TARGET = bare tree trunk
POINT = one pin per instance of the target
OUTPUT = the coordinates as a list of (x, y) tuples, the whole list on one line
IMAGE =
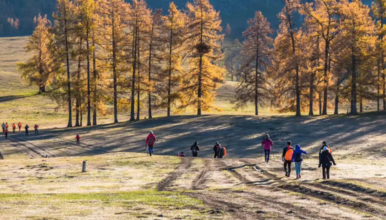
[(139, 80), (68, 71), (378, 86), (88, 76), (132, 115), (114, 69), (311, 112), (95, 82), (336, 112), (150, 59), (78, 96), (326, 58), (320, 103), (170, 66), (354, 85), (200, 73)]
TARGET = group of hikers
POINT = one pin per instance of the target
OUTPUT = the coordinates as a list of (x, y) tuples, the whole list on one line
[(289, 155), (5, 126)]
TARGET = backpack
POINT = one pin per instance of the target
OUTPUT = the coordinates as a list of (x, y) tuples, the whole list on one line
[(289, 154), (225, 151), (298, 157)]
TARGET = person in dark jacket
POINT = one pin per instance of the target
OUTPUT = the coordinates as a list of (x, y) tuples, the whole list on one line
[(216, 149), (26, 130), (325, 160), (287, 161), (195, 148), (221, 152), (298, 159)]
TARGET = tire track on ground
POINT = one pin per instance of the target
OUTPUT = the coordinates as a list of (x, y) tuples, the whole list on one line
[(33, 148), (220, 200), (31, 153), (182, 168), (322, 194), (201, 178)]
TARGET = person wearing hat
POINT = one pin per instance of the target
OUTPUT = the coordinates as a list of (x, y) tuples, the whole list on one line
[(217, 150), (325, 160), (150, 141), (267, 144), (195, 148)]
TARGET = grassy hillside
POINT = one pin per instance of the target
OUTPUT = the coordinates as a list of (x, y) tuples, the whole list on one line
[(122, 182)]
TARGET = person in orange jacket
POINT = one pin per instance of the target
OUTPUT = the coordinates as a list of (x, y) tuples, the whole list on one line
[(20, 126), (77, 139), (6, 125), (14, 127)]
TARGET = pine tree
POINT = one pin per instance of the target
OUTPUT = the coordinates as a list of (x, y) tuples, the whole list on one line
[(254, 59), (39, 68), (204, 46)]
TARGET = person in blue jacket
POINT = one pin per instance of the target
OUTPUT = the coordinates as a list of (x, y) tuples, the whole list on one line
[(298, 159)]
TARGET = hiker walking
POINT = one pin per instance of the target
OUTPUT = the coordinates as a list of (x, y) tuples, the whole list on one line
[(222, 152), (77, 139), (288, 152), (36, 129), (325, 160), (216, 149), (298, 159), (6, 125), (14, 127), (19, 126), (6, 133), (3, 127), (267, 144), (195, 148), (323, 146), (26, 130), (150, 141)]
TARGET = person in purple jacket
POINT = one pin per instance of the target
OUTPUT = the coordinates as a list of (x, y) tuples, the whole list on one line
[(267, 144)]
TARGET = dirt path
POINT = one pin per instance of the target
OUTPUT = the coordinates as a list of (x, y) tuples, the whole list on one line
[(181, 169)]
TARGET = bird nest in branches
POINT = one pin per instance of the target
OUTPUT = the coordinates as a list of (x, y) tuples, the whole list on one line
[(203, 48)]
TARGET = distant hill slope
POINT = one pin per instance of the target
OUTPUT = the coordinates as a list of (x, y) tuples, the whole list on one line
[(234, 12)]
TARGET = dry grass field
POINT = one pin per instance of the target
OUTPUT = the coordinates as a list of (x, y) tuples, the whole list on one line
[(41, 178)]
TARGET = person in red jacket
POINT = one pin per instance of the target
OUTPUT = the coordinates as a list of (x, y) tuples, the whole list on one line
[(6, 133), (14, 127), (150, 141), (77, 139), (20, 126), (36, 129), (267, 144)]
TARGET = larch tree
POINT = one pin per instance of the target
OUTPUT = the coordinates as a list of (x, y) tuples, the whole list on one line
[(325, 15), (174, 26), (39, 68), (139, 22), (62, 48), (357, 29), (379, 12), (286, 51), (154, 50), (113, 42), (87, 13), (254, 60), (204, 51)]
